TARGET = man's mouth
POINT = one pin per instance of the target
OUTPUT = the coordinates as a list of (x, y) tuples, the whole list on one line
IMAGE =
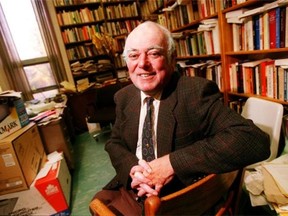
[(147, 74)]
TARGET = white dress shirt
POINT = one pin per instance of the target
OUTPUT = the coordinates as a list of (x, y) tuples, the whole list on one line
[(143, 111)]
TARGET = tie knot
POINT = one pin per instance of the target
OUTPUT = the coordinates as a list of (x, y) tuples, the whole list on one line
[(149, 101)]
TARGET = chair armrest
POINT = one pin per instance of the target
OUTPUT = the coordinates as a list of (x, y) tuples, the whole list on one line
[(99, 208), (152, 204)]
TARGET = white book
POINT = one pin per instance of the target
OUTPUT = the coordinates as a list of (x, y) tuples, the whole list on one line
[(254, 63), (281, 62), (236, 28), (249, 33), (235, 20), (235, 13), (216, 39)]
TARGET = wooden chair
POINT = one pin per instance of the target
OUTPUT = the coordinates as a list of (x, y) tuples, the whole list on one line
[(195, 199)]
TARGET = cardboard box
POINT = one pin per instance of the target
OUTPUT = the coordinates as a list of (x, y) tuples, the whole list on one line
[(21, 156), (49, 194), (13, 115)]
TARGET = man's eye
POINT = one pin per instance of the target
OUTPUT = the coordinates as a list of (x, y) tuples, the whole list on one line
[(154, 54), (133, 56)]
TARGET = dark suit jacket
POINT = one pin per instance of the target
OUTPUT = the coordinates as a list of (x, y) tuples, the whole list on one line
[(194, 127)]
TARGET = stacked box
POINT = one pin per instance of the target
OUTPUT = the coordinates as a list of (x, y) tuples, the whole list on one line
[(13, 115), (21, 157)]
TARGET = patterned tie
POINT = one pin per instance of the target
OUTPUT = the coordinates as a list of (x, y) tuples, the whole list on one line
[(147, 141)]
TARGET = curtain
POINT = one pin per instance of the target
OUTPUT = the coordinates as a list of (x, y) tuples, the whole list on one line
[(10, 61), (9, 58), (46, 28)]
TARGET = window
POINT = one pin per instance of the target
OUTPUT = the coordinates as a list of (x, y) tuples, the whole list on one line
[(27, 38)]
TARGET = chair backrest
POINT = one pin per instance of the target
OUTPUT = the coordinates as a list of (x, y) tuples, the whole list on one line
[(267, 115), (105, 95), (195, 199)]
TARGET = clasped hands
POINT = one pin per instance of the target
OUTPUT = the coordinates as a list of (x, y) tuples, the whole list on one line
[(149, 177)]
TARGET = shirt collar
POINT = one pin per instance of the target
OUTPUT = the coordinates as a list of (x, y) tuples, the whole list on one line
[(144, 96)]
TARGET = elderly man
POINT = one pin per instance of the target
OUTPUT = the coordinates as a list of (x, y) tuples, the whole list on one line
[(192, 132)]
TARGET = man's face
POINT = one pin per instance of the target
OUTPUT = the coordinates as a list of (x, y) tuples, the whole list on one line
[(147, 62)]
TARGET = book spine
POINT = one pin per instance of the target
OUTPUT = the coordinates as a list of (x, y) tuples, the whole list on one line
[(272, 28), (256, 32), (277, 31)]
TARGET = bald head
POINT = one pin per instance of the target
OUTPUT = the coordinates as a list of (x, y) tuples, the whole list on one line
[(151, 30)]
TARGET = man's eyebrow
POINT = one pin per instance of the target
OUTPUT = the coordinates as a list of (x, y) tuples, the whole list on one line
[(148, 49), (155, 47)]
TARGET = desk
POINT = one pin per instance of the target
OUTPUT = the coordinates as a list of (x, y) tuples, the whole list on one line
[(79, 104)]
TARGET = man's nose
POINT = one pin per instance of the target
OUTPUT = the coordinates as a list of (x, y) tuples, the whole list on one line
[(143, 60)]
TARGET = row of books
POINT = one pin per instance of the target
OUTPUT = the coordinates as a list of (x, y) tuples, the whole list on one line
[(72, 2), (267, 30), (211, 70), (203, 41), (81, 33), (121, 27), (231, 3), (121, 11), (78, 68), (182, 15), (119, 61), (83, 51), (266, 77), (150, 6), (83, 15), (237, 105), (207, 8)]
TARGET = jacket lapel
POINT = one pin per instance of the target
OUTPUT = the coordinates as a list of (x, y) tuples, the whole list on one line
[(166, 120), (166, 125), (131, 123)]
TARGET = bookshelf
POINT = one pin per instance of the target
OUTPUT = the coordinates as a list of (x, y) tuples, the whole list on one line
[(195, 26), (255, 63), (213, 42), (79, 22)]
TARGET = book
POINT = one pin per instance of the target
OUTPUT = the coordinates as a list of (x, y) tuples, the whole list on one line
[(263, 75), (249, 33), (272, 28), (277, 23), (256, 31), (235, 13), (282, 26), (286, 28), (236, 31), (266, 34), (281, 80)]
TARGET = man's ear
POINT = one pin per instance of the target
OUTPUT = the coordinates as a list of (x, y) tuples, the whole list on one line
[(173, 60)]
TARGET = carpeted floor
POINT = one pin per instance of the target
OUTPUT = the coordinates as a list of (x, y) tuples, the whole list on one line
[(92, 171)]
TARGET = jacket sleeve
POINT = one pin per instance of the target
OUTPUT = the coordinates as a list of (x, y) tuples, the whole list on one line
[(219, 139), (120, 150)]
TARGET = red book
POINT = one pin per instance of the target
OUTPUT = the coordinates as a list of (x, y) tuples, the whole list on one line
[(263, 75), (272, 28)]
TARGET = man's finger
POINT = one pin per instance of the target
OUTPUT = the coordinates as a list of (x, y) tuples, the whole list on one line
[(145, 165)]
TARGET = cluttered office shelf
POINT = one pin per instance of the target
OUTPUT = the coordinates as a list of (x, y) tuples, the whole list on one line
[(27, 143), (53, 118), (46, 111)]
